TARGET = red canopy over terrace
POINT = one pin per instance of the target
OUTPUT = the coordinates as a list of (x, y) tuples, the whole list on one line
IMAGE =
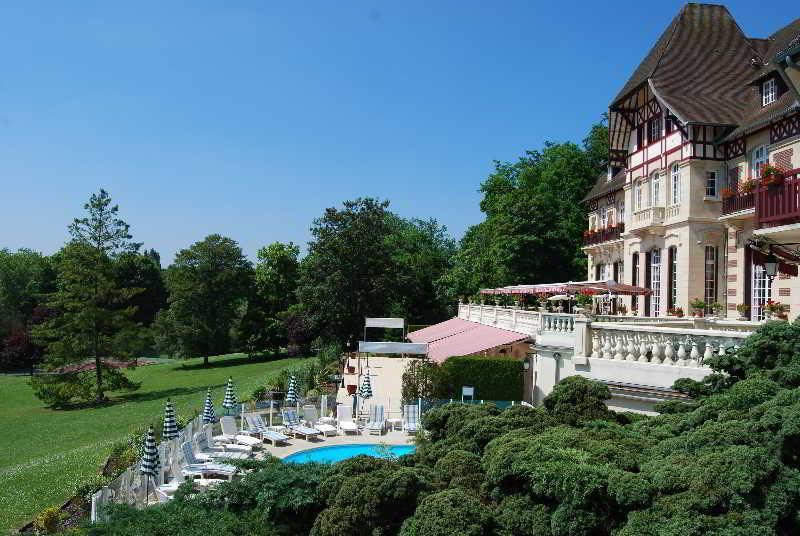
[(572, 287)]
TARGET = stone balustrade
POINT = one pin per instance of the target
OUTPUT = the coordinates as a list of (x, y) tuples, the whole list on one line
[(515, 319), (676, 346)]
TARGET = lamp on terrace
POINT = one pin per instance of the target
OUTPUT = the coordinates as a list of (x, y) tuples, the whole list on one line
[(771, 265)]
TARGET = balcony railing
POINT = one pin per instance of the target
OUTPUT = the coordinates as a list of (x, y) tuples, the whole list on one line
[(647, 217), (780, 204), (603, 235), (739, 202)]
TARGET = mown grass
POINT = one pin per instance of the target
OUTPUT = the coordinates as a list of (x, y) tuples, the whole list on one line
[(44, 452)]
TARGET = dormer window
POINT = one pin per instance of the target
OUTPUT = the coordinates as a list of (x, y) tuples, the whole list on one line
[(769, 92)]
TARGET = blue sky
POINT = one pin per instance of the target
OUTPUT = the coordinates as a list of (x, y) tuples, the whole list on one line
[(248, 119)]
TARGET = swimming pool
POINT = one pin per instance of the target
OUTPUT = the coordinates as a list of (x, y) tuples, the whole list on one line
[(337, 453)]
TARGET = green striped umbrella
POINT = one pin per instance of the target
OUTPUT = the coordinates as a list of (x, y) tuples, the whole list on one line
[(150, 462), (229, 402), (208, 409), (365, 391), (170, 430), (291, 391)]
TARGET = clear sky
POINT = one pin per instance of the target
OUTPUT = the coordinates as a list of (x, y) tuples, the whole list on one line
[(248, 119)]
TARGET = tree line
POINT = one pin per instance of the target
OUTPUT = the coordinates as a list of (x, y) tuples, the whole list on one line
[(102, 300)]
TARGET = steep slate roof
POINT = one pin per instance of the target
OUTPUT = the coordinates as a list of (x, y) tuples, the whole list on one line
[(604, 186), (755, 115), (699, 67)]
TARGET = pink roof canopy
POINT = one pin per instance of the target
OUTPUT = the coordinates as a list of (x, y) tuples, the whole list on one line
[(456, 337), (572, 287)]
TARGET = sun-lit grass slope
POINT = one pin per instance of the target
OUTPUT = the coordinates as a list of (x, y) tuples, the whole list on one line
[(43, 452)]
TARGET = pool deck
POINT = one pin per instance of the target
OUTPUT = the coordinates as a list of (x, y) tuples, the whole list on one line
[(394, 437)]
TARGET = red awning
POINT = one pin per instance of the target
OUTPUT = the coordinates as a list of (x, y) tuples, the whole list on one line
[(573, 287), (456, 337)]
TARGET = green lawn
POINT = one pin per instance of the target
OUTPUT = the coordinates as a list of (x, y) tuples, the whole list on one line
[(44, 452)]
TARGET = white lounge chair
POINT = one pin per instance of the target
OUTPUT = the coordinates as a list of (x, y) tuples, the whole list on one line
[(376, 422), (344, 419), (256, 426), (231, 439), (194, 466), (292, 423), (411, 418), (205, 448), (312, 419)]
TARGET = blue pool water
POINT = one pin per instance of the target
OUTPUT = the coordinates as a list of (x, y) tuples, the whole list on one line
[(337, 453)]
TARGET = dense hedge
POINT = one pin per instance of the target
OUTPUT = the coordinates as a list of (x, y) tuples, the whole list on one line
[(494, 378)]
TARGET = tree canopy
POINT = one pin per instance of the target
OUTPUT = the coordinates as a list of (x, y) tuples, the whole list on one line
[(534, 219)]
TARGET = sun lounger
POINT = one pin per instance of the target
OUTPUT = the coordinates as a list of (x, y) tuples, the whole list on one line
[(256, 426), (312, 419), (231, 439), (344, 419), (292, 423), (411, 418), (205, 448), (376, 422), (193, 465)]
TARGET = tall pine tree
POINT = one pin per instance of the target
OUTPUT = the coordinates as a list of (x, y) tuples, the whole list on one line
[(94, 320)]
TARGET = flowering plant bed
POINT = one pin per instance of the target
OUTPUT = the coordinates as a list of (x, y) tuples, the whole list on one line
[(727, 193), (676, 311), (747, 186)]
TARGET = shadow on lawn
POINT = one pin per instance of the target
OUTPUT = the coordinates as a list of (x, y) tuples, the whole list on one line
[(168, 393), (231, 362)]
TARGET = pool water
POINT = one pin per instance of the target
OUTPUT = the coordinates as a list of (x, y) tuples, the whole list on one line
[(337, 453)]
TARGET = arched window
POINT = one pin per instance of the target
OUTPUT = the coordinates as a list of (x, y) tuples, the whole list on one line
[(655, 189), (675, 184), (757, 160)]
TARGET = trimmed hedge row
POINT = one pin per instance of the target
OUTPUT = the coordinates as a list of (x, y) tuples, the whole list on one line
[(494, 378)]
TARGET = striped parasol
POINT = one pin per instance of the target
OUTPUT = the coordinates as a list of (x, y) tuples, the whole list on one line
[(365, 391), (208, 409), (291, 391), (170, 430), (229, 402), (150, 462)]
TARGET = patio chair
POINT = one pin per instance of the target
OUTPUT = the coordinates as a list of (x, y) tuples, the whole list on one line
[(292, 423), (411, 419), (205, 448), (257, 426), (230, 438), (376, 422), (312, 419), (193, 466), (344, 419)]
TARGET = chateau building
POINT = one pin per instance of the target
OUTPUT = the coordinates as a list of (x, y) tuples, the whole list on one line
[(687, 207)]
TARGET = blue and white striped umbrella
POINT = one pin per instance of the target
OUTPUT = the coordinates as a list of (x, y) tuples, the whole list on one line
[(150, 462), (229, 402), (365, 391), (208, 409), (291, 391), (170, 430)]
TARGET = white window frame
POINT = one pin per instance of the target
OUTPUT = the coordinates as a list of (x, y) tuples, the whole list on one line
[(621, 211), (675, 184), (710, 277), (758, 158), (610, 216), (638, 193), (761, 286), (656, 122), (655, 281), (769, 92), (655, 189), (712, 183), (593, 222)]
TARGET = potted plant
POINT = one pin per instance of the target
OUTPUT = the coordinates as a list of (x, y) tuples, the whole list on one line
[(622, 310), (775, 309), (717, 308), (634, 310), (676, 311), (698, 307), (743, 309), (351, 389), (727, 193), (747, 185), (771, 175)]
